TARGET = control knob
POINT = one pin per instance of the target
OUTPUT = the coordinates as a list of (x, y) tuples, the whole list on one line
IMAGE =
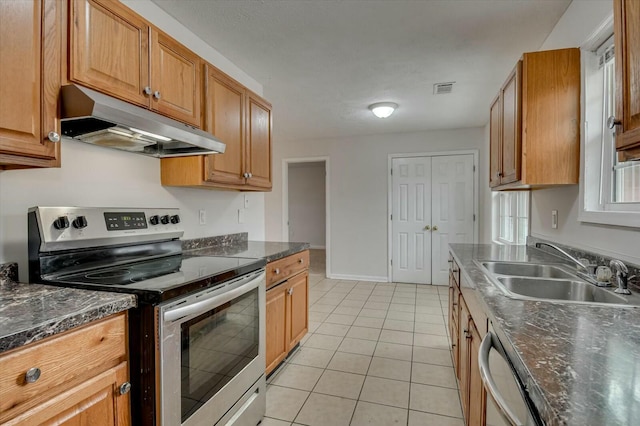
[(80, 222), (154, 219), (61, 222), (175, 219), (164, 219)]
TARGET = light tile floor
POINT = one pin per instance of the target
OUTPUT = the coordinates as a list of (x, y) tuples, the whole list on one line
[(375, 354)]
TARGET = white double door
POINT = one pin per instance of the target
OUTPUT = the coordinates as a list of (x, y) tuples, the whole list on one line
[(432, 206)]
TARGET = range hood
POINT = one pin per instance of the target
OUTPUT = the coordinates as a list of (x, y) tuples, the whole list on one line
[(98, 119)]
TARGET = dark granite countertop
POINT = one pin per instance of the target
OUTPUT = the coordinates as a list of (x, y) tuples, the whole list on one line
[(580, 363), (31, 312), (268, 250)]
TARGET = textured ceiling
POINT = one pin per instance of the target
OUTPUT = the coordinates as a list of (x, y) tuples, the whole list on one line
[(322, 62)]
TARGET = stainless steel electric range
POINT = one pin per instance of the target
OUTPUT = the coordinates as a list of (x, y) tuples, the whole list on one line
[(197, 337)]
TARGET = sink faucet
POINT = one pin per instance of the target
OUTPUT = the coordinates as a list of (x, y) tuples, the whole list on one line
[(590, 269), (567, 255), (622, 274)]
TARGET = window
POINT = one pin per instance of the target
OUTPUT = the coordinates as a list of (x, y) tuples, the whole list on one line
[(513, 217), (610, 188)]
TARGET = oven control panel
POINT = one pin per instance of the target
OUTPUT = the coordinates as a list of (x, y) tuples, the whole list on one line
[(63, 228)]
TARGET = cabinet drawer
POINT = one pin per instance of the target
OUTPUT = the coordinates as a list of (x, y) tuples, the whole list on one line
[(62, 360), (284, 268)]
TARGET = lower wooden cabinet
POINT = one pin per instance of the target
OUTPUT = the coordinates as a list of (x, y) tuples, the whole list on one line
[(467, 332), (287, 309), (75, 378)]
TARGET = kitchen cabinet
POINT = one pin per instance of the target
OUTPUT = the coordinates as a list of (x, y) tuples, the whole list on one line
[(627, 42), (30, 77), (535, 123), (287, 312), (240, 119), (80, 376), (115, 51), (467, 325)]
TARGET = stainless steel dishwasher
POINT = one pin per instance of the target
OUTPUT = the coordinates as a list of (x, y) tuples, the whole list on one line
[(509, 403)]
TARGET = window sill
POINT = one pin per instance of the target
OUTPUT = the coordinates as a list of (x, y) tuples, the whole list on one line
[(627, 219)]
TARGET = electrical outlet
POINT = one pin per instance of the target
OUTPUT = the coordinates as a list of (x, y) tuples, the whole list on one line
[(240, 215), (246, 201), (554, 219), (203, 217)]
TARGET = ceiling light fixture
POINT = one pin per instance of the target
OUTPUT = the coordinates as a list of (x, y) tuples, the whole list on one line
[(383, 109)]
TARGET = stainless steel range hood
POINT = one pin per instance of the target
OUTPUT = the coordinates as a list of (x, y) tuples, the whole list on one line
[(102, 120)]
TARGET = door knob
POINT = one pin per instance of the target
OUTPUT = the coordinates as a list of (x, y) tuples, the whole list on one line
[(613, 122), (426, 228), (435, 228)]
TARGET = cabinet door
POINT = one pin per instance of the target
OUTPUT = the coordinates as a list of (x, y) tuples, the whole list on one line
[(29, 82), (511, 126), (224, 118), (276, 330), (464, 361), (477, 394), (94, 402), (495, 132), (109, 49), (175, 79), (627, 34), (258, 156), (298, 311)]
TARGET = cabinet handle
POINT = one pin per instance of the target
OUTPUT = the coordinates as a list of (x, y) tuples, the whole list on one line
[(156, 94), (453, 305), (32, 375), (450, 261), (125, 388), (276, 271), (499, 174), (53, 137), (301, 261), (146, 90), (290, 291), (613, 122)]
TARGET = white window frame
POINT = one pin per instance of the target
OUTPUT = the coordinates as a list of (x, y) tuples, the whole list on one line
[(596, 175), (519, 205)]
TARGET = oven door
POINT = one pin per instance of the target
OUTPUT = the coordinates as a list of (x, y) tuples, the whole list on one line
[(212, 353)]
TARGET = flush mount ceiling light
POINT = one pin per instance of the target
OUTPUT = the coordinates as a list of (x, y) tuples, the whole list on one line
[(383, 109)]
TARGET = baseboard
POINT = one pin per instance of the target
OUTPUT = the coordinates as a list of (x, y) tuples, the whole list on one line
[(347, 277)]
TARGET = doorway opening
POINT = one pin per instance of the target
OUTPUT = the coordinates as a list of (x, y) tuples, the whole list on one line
[(305, 208), (433, 201)]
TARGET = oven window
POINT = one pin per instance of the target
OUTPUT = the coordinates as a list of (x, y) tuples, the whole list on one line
[(216, 346)]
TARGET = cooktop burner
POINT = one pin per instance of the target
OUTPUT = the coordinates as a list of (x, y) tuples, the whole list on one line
[(161, 279)]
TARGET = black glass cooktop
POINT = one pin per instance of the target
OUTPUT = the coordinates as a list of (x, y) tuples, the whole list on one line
[(157, 280)]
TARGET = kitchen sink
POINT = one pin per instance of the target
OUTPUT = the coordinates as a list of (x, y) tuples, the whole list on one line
[(527, 270), (570, 290)]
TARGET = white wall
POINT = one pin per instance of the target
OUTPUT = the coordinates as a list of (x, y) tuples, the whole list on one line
[(307, 203), (580, 20), (95, 176), (358, 191)]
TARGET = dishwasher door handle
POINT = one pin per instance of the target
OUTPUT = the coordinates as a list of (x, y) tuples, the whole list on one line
[(487, 380)]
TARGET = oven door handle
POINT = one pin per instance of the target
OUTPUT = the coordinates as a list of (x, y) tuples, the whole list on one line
[(487, 380), (205, 305)]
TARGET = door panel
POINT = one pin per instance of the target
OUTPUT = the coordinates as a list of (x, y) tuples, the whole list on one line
[(411, 214), (299, 304), (495, 143), (452, 203), (276, 332), (511, 126), (258, 157)]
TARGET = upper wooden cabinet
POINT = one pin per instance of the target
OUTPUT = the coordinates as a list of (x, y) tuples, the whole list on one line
[(115, 51), (627, 42), (30, 76), (535, 123), (240, 119)]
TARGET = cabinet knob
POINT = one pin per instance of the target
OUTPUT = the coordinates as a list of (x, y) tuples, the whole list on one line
[(246, 175), (276, 271), (156, 94), (613, 122), (53, 137), (250, 175), (290, 291), (146, 90), (499, 174), (301, 261), (125, 388), (32, 375)]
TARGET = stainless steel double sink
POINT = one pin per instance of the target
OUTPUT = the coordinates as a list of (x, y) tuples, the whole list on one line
[(556, 282)]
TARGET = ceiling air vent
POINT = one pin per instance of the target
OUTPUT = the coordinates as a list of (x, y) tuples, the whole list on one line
[(443, 88)]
